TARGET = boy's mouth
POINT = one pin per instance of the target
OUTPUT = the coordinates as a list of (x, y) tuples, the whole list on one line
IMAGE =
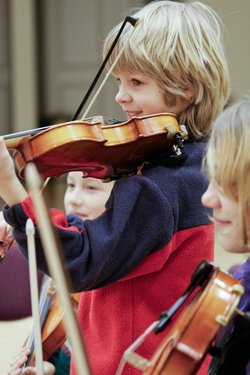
[(133, 114)]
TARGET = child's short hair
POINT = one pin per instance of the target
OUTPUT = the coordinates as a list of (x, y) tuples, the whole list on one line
[(228, 158), (180, 46)]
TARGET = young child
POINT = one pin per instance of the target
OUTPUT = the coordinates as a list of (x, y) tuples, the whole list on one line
[(135, 260), (228, 195), (85, 198)]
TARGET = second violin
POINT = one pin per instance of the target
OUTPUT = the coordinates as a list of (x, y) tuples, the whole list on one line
[(189, 339), (52, 321)]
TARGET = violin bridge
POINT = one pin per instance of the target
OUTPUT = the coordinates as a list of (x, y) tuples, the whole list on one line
[(223, 320), (136, 360), (184, 132), (133, 358), (98, 118)]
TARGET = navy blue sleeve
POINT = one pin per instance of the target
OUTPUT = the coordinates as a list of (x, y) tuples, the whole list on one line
[(133, 226), (143, 213)]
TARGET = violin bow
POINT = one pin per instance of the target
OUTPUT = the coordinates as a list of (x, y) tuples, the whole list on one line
[(30, 231), (106, 76), (46, 294), (133, 22), (54, 260)]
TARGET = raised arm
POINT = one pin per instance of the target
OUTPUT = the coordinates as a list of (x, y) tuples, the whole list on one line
[(11, 189)]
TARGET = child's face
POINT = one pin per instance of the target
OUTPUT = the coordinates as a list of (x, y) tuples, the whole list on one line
[(86, 197), (140, 95), (226, 217)]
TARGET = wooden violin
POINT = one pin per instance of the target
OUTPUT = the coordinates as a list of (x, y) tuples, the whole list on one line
[(52, 322), (189, 338), (97, 149)]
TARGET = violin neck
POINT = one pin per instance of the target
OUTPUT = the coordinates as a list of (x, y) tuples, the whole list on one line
[(13, 140)]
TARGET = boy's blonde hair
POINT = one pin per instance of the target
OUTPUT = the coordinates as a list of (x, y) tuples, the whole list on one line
[(228, 159), (180, 46)]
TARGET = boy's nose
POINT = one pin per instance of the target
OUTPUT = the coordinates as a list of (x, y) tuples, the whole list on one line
[(76, 198), (210, 199), (122, 97)]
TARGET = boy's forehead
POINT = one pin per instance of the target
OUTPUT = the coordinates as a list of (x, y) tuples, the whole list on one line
[(126, 71)]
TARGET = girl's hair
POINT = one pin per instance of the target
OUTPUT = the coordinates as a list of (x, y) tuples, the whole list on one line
[(228, 158), (180, 46)]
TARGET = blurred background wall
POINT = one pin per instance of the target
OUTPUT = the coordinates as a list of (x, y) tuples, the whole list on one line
[(50, 51)]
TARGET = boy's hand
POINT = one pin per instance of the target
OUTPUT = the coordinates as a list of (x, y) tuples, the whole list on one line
[(21, 359), (11, 189), (6, 237), (18, 361)]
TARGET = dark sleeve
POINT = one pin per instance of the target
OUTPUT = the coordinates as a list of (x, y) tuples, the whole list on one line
[(234, 350), (234, 343), (138, 220)]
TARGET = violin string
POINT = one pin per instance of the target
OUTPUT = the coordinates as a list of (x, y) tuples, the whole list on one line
[(31, 132), (46, 294), (45, 183)]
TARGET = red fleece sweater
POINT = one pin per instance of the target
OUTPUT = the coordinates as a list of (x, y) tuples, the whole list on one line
[(135, 260), (113, 317)]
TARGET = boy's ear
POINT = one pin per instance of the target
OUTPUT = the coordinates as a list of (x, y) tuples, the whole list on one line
[(189, 95)]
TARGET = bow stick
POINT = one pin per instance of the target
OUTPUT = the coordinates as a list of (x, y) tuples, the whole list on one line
[(55, 264), (134, 22), (30, 231)]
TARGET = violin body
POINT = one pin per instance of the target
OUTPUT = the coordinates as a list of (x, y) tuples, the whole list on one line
[(96, 149), (53, 333), (187, 342)]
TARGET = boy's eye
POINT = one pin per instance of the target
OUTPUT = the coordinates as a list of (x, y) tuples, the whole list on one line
[(91, 187), (136, 82)]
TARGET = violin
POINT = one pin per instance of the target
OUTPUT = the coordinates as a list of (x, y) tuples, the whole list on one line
[(52, 322), (85, 146), (53, 332), (98, 150), (189, 339)]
